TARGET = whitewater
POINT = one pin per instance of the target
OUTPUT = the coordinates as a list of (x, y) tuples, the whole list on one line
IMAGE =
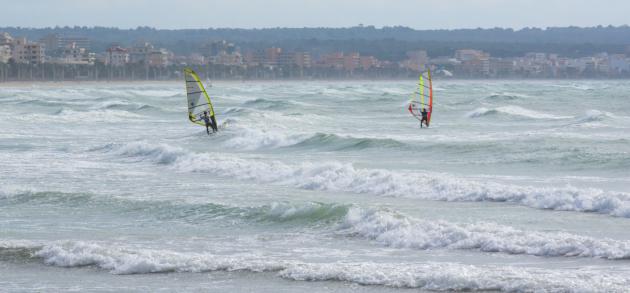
[(320, 186)]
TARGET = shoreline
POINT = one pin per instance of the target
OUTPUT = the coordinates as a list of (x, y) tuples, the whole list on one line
[(233, 81)]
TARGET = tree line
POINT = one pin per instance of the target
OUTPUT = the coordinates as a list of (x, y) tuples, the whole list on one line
[(387, 43)]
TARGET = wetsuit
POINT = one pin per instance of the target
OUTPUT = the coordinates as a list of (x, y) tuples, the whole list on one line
[(208, 123), (425, 118)]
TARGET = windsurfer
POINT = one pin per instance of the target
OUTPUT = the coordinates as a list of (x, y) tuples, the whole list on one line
[(425, 117), (209, 122)]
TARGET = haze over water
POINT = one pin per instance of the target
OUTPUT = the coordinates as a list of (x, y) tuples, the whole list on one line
[(517, 186)]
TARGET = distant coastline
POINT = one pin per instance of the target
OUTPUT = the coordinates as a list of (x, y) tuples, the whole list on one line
[(51, 83), (363, 52)]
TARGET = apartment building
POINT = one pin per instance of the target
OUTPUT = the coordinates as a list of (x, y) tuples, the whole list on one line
[(26, 52), (116, 56), (5, 53)]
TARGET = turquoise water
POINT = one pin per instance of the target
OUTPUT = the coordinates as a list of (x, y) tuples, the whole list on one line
[(517, 186)]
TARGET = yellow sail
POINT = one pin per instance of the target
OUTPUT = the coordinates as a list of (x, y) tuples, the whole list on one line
[(422, 98), (198, 99)]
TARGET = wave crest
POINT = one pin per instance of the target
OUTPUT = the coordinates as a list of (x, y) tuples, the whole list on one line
[(119, 259), (512, 111), (335, 176), (395, 230)]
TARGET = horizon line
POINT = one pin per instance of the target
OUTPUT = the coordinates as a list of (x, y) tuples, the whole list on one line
[(319, 27)]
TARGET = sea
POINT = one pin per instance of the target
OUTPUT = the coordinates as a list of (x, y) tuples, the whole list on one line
[(316, 186)]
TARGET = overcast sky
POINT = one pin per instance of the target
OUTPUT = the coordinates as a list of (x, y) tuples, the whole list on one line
[(419, 14)]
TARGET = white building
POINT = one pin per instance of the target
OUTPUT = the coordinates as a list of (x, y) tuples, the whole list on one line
[(140, 52), (5, 53), (116, 56), (160, 58), (6, 39), (73, 54)]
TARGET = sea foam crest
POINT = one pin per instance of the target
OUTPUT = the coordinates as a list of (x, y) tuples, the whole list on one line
[(383, 226), (119, 259), (395, 230), (515, 111), (336, 176), (253, 139)]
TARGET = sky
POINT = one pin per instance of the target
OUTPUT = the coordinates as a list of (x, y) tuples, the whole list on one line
[(418, 14)]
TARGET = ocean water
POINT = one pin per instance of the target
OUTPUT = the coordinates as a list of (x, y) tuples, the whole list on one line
[(319, 186)]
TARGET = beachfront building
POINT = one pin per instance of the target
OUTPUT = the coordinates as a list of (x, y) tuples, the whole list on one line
[(351, 61), (116, 56), (23, 51), (272, 56), (302, 59), (333, 60), (5, 39), (159, 58), (5, 53), (140, 52), (73, 54), (474, 63), (368, 62)]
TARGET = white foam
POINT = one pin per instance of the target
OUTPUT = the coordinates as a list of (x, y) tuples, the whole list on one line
[(514, 111), (479, 112), (395, 230), (335, 176), (256, 138), (458, 277), (430, 275)]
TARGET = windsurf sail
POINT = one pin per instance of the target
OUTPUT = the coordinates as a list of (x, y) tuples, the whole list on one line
[(422, 98), (198, 99)]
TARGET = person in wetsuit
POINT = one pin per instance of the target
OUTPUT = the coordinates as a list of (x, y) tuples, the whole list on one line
[(425, 117), (210, 122)]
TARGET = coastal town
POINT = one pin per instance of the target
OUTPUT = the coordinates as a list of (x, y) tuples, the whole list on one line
[(59, 58)]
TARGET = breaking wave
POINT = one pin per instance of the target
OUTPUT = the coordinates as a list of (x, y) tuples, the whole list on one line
[(396, 230), (383, 226), (335, 176), (256, 139), (513, 111), (119, 259)]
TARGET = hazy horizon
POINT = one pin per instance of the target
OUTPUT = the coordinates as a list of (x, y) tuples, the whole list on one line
[(420, 15), (310, 27)]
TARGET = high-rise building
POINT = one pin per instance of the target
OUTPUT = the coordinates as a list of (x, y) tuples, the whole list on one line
[(272, 55), (302, 59), (351, 61), (26, 52)]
